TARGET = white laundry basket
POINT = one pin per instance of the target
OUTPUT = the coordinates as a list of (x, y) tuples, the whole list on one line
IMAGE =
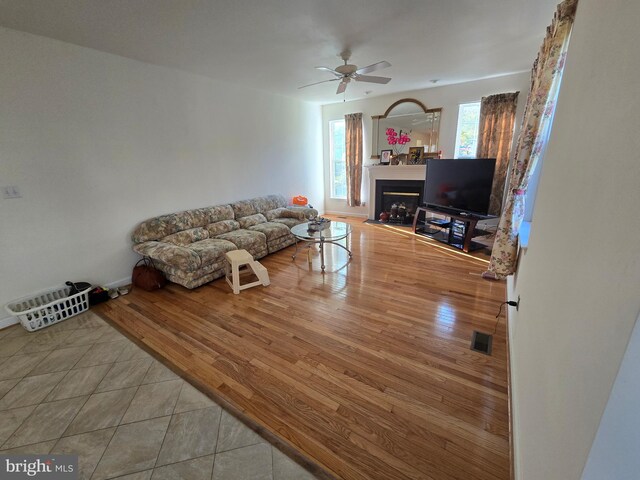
[(48, 307)]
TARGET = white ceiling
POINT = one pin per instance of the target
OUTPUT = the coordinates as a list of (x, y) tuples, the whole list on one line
[(273, 45)]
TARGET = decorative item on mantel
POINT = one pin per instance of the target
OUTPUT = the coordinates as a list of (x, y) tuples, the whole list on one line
[(416, 154), (397, 141), (385, 157)]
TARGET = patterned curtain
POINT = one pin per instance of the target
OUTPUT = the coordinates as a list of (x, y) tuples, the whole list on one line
[(546, 77), (497, 118), (353, 141)]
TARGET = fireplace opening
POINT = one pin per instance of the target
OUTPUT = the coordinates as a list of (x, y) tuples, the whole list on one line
[(399, 199)]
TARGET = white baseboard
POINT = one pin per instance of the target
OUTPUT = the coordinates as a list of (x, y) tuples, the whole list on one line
[(8, 321), (348, 214), (118, 283)]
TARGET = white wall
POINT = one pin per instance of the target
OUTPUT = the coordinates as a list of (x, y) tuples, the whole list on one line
[(97, 143), (580, 276), (449, 97), (614, 453)]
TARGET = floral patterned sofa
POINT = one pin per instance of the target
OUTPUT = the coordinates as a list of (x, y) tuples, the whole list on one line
[(189, 246)]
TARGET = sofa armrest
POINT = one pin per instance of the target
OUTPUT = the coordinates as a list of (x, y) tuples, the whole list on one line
[(308, 212), (182, 258)]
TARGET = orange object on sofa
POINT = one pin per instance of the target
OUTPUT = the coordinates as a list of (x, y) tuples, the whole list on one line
[(300, 200)]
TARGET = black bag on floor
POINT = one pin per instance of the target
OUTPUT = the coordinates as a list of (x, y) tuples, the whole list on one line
[(98, 295)]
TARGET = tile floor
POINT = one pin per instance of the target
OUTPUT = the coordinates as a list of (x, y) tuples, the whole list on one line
[(80, 387)]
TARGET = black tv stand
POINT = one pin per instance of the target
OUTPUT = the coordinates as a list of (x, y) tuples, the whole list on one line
[(456, 230)]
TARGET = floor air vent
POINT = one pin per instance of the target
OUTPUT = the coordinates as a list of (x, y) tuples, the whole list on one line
[(481, 342)]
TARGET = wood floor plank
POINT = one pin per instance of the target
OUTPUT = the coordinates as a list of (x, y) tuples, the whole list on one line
[(365, 371)]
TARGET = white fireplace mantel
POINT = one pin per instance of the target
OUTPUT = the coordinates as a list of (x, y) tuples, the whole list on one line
[(391, 172)]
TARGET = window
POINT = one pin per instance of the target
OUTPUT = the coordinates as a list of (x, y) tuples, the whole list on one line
[(337, 159), (467, 134)]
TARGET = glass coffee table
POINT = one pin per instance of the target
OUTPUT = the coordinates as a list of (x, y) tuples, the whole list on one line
[(332, 234)]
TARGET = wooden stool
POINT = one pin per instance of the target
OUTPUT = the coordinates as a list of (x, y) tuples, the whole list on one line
[(237, 259)]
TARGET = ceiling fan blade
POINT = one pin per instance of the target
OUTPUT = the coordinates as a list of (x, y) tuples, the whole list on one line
[(330, 70), (373, 67), (341, 88), (316, 83), (372, 79)]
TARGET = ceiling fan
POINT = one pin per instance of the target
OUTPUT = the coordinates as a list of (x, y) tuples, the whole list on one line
[(345, 73)]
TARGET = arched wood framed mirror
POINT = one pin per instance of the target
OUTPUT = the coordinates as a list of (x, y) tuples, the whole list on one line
[(412, 117)]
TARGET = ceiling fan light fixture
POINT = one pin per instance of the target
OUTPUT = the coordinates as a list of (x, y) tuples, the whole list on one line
[(347, 72), (346, 69)]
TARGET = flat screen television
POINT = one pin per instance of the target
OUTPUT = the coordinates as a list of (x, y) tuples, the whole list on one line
[(460, 186)]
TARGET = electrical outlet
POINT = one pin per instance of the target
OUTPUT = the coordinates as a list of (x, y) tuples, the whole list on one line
[(11, 192)]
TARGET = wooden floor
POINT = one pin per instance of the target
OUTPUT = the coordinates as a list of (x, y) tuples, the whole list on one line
[(365, 371)]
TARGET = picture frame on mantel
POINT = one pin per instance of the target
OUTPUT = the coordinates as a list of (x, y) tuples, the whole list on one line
[(415, 155), (385, 157)]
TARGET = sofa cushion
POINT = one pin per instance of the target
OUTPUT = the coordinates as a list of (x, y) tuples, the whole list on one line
[(218, 213), (159, 227), (224, 226), (243, 208), (195, 279), (272, 230), (248, 240), (169, 270), (269, 202), (177, 256), (187, 237), (212, 250), (287, 213), (280, 243), (162, 226), (275, 213), (289, 222), (251, 220), (307, 212)]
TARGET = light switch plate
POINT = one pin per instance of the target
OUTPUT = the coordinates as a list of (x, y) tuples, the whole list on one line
[(11, 192)]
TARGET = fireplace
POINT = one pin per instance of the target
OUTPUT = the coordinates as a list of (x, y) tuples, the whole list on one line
[(406, 195)]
